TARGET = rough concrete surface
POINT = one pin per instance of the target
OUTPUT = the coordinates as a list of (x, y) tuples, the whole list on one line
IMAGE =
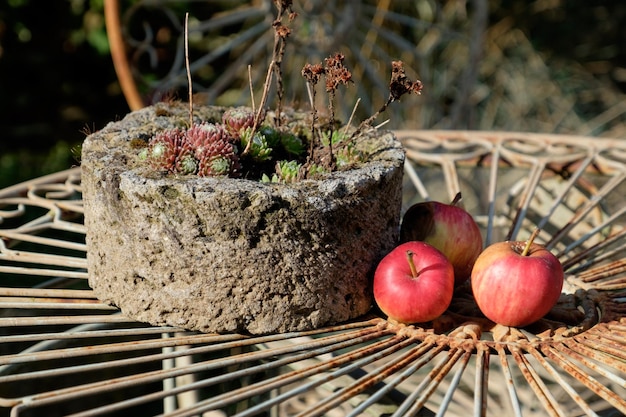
[(233, 255)]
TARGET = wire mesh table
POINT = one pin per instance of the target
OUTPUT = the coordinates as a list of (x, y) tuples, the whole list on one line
[(65, 353)]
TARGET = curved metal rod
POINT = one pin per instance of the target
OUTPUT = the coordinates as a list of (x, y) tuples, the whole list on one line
[(118, 54)]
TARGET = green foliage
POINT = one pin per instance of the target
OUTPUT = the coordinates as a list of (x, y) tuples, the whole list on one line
[(289, 142), (260, 149), (17, 3), (292, 144), (287, 172), (344, 151), (338, 136), (98, 40), (271, 135), (315, 170), (220, 165)]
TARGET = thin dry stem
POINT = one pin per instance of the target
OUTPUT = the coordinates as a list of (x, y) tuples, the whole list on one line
[(331, 108), (336, 73), (251, 88), (381, 124), (190, 85), (311, 89), (347, 126), (369, 120), (281, 33), (312, 74)]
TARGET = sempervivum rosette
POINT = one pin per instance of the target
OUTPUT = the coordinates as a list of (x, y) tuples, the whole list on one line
[(237, 120), (163, 149), (216, 154), (186, 160), (200, 136)]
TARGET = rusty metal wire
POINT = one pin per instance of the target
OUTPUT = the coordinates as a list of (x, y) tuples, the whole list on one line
[(65, 353)]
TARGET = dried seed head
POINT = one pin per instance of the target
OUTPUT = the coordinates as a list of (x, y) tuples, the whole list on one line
[(312, 73), (400, 84), (281, 30), (336, 72)]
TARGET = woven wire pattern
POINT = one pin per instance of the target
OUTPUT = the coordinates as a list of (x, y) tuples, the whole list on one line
[(65, 353)]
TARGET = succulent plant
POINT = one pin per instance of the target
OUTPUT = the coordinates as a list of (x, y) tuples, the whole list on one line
[(163, 149), (200, 136), (288, 171), (254, 139), (186, 160), (218, 158), (315, 170), (292, 143), (345, 153), (259, 149), (237, 119), (272, 136), (348, 155), (205, 149)]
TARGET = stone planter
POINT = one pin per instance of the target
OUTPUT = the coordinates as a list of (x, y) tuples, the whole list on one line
[(234, 255)]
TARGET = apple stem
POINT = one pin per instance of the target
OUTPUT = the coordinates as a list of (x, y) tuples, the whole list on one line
[(530, 242), (456, 199), (409, 257)]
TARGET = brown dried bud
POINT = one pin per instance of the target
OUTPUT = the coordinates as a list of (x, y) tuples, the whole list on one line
[(400, 84), (281, 30), (336, 73), (312, 73)]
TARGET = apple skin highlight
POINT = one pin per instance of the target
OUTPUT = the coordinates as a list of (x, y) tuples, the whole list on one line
[(515, 290), (406, 298)]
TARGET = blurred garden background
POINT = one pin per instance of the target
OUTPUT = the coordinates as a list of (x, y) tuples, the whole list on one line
[(552, 66)]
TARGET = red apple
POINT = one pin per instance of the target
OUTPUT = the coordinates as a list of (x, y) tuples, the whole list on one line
[(414, 283), (448, 228), (516, 283)]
